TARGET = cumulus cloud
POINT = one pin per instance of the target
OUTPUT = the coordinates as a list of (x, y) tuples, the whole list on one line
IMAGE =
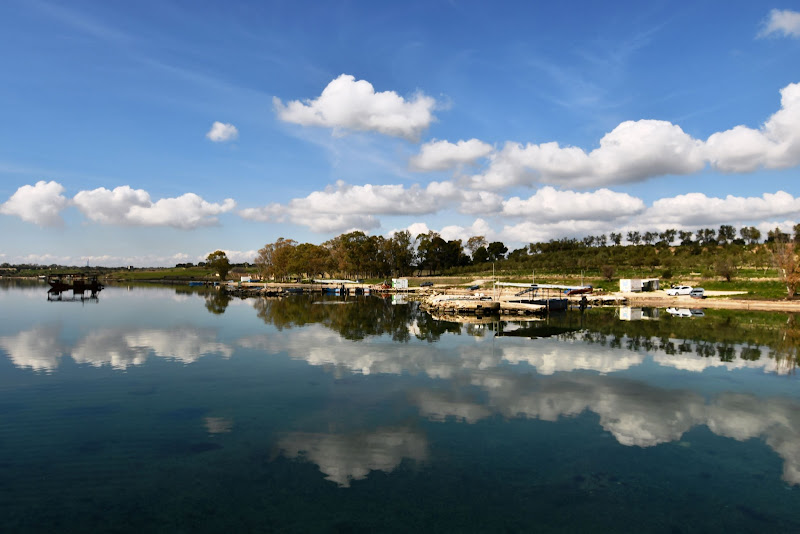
[(40, 204), (479, 227), (631, 152), (126, 206), (443, 155), (638, 150), (345, 206), (776, 145), (698, 209), (783, 22), (221, 132), (350, 104), (480, 203), (551, 205)]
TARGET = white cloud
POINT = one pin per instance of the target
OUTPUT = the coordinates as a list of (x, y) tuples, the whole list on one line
[(631, 152), (443, 155), (550, 205), (532, 232), (481, 203), (39, 204), (126, 206), (418, 228), (222, 132), (354, 105), (776, 145), (698, 209), (638, 150), (479, 227), (345, 206), (783, 22)]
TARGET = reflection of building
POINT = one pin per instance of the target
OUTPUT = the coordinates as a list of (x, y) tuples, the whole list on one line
[(627, 313)]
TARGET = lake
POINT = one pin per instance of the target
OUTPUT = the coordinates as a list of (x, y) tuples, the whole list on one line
[(172, 409)]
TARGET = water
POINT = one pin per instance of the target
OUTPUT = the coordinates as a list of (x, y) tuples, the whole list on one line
[(176, 410)]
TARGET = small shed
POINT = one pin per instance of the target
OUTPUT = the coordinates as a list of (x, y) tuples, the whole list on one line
[(638, 284), (399, 283), (627, 285)]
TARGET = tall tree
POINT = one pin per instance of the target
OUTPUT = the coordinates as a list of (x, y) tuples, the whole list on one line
[(273, 260), (634, 237), (497, 250), (777, 236), (480, 255), (726, 234), (474, 243), (668, 236), (615, 238), (785, 258), (685, 236), (218, 261), (401, 254)]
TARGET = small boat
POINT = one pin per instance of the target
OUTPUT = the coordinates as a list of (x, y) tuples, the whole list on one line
[(75, 282)]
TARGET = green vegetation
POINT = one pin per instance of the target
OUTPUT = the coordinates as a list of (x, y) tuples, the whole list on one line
[(713, 258)]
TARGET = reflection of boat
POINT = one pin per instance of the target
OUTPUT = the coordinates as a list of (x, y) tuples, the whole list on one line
[(75, 282), (685, 312), (58, 296)]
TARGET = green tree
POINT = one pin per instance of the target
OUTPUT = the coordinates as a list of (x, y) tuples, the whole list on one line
[(785, 258), (273, 260), (725, 266), (480, 255), (218, 262), (400, 253), (615, 238), (474, 243), (726, 234), (685, 236), (497, 250), (667, 236), (634, 237)]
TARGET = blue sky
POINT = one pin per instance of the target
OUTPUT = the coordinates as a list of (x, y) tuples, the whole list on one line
[(151, 133)]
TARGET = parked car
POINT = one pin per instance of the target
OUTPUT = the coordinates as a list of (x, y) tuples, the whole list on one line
[(426, 284), (697, 293), (473, 288), (685, 312), (674, 291)]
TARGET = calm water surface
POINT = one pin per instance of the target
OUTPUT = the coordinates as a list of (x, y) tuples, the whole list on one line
[(163, 409)]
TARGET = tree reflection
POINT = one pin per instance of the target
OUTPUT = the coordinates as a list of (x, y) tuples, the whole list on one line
[(217, 301), (787, 350), (354, 318)]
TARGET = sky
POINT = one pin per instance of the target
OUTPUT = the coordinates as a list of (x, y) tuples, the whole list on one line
[(153, 133)]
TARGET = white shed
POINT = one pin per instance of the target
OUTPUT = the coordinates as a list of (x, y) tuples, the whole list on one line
[(400, 283), (630, 284)]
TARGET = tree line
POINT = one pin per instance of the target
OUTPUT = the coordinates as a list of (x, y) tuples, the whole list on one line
[(358, 255)]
